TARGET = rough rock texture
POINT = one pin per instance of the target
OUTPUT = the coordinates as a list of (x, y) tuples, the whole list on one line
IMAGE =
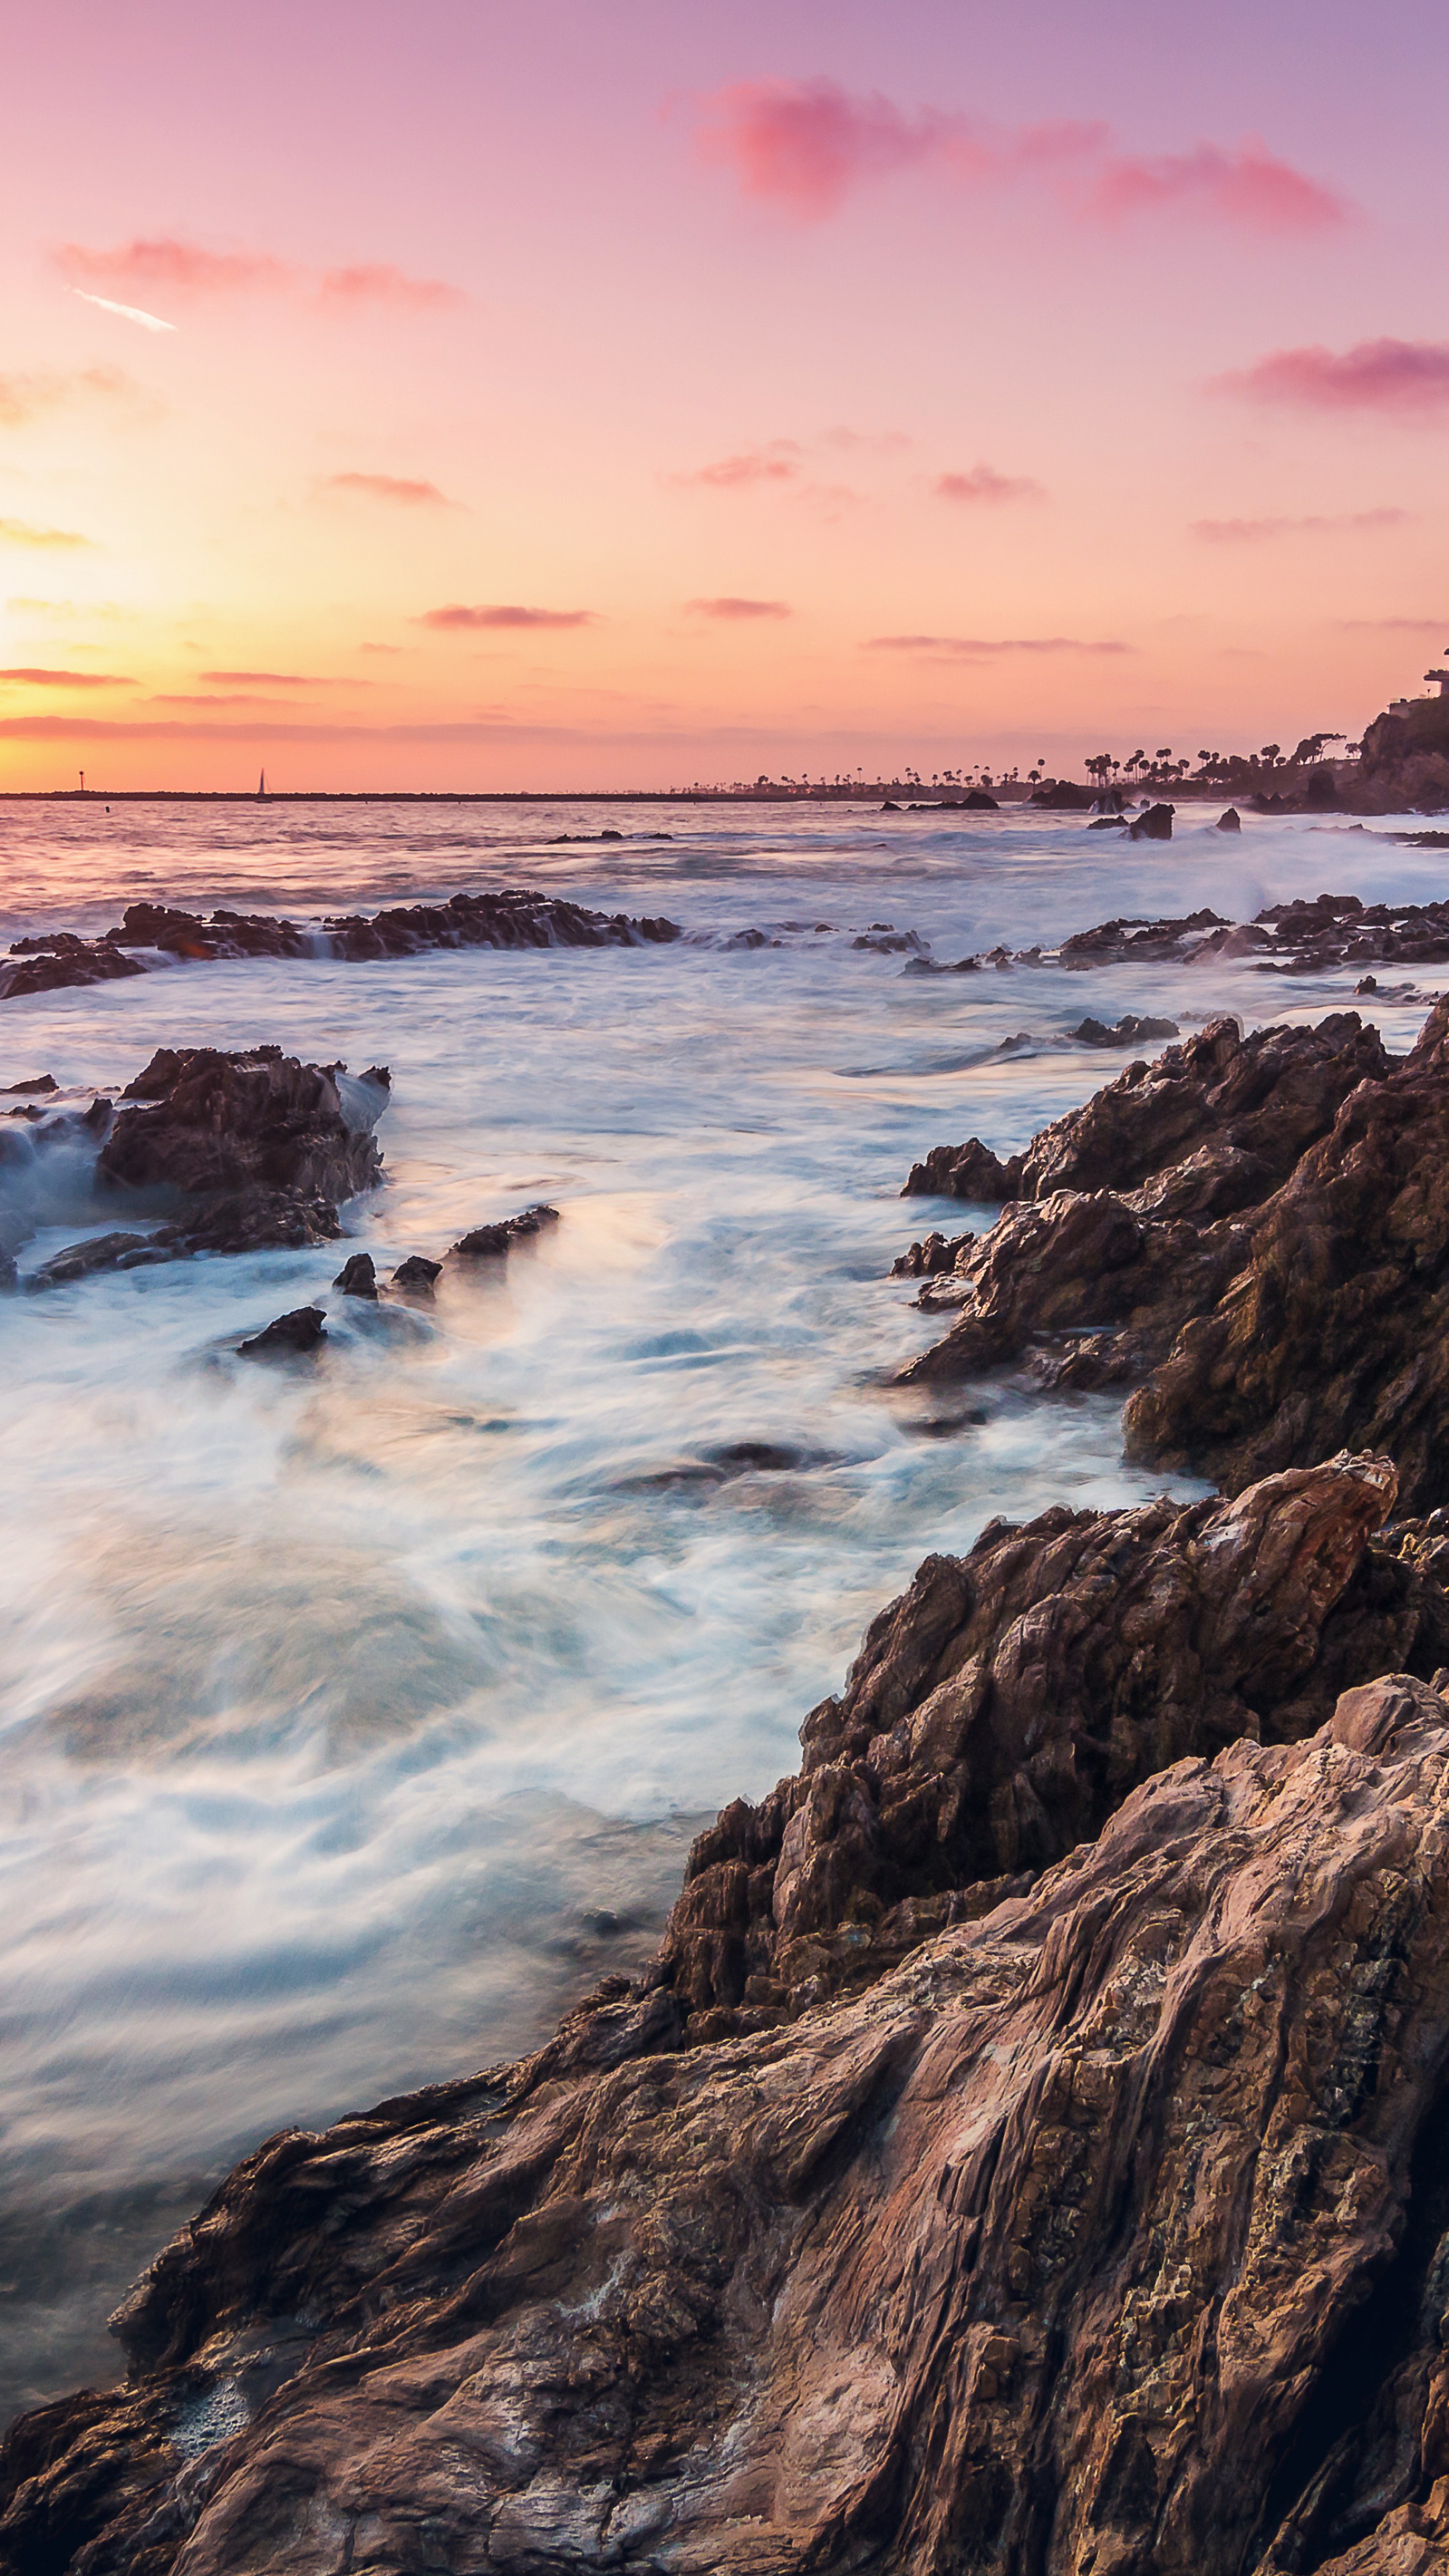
[(1000, 1710), (416, 1275), (358, 1276), (492, 1242), (1104, 2234), (1154, 823), (515, 917), (1255, 1230), (1298, 938)]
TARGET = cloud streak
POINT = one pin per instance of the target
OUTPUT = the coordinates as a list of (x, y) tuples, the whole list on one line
[(457, 619), (739, 612), (125, 312), (1248, 532), (1397, 379), (39, 679), (806, 147), (391, 487), (984, 485), (27, 398), (976, 648), (20, 532)]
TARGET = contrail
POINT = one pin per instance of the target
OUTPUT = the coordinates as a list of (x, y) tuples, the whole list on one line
[(128, 312)]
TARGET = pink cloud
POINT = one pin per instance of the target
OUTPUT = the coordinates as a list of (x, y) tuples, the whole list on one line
[(391, 487), (1240, 532), (377, 282), (182, 266), (778, 461), (1407, 378), (448, 619), (984, 484), (261, 679), (33, 679), (980, 648), (166, 264), (806, 146), (1248, 186), (739, 611), (1395, 626)]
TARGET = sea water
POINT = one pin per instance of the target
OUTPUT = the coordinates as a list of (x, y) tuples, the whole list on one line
[(356, 1717)]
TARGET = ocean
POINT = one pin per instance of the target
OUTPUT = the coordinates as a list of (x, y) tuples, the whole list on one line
[(357, 1718)]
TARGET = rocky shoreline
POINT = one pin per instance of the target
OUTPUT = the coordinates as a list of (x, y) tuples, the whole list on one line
[(1026, 2152)]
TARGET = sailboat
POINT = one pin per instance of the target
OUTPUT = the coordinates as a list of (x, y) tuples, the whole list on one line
[(262, 786)]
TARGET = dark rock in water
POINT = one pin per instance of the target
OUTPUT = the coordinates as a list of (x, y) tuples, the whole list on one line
[(978, 802), (416, 1274), (514, 917), (890, 807), (762, 1457), (970, 1171), (100, 1252), (1064, 797), (1153, 824), (1231, 821), (256, 1147), (287, 1336), (199, 1120), (50, 965), (1108, 823), (1139, 942), (928, 1259), (40, 1082), (1129, 1031), (490, 1242), (891, 943), (357, 1276), (1012, 2226)]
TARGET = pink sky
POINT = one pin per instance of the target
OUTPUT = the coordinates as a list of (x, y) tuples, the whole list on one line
[(469, 397)]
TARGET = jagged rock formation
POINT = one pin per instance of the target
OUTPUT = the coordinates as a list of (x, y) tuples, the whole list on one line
[(1255, 1231), (243, 1152), (1104, 2233), (1003, 1707), (516, 917), (1297, 938)]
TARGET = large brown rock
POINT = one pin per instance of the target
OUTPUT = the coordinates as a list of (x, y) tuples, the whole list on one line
[(1104, 2234), (1257, 1231), (200, 1121), (1003, 1707)]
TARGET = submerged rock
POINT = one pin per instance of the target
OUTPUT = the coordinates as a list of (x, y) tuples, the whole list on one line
[(492, 1242), (1231, 821), (1128, 1031), (416, 1274), (287, 1336), (40, 1082)]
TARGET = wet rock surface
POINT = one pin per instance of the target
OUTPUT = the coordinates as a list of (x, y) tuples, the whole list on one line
[(494, 1242), (1252, 1232), (1299, 938), (240, 1152), (289, 1336), (516, 917), (1102, 2232)]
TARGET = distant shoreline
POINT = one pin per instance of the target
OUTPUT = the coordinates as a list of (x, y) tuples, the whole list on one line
[(870, 797)]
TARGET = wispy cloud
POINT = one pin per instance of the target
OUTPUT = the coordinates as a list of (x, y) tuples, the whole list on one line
[(1395, 625), (732, 612), (806, 146), (19, 532), (38, 679), (169, 265), (1250, 532), (377, 282), (982, 648), (126, 312), (391, 487), (984, 484), (446, 620), (264, 679), (30, 397), (777, 461), (1404, 379), (213, 698)]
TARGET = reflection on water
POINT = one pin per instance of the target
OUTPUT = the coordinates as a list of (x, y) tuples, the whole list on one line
[(356, 1716)]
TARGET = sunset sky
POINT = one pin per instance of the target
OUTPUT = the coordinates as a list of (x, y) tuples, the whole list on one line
[(458, 396)]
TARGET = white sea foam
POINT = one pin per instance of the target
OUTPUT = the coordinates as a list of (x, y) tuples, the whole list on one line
[(351, 1719)]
